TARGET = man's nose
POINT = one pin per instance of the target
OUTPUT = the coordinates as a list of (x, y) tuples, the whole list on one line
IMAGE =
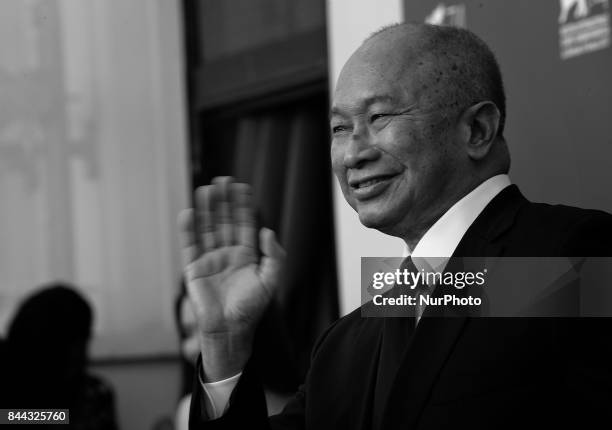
[(359, 151)]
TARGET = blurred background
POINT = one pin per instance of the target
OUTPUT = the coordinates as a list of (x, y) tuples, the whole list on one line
[(112, 112)]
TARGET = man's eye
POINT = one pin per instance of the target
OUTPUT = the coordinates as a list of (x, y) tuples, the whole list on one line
[(377, 116), (338, 129)]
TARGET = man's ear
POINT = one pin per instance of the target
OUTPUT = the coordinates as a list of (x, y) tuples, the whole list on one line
[(480, 123)]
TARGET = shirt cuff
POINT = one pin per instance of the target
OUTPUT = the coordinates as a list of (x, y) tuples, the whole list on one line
[(217, 395)]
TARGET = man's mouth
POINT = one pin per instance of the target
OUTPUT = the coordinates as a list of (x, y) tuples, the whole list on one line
[(368, 183), (367, 188)]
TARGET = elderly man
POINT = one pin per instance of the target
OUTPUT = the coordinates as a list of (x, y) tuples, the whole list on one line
[(418, 148)]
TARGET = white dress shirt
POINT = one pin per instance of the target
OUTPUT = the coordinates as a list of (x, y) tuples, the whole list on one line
[(439, 242)]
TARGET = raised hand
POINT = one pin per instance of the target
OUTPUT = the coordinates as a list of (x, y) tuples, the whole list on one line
[(229, 284)]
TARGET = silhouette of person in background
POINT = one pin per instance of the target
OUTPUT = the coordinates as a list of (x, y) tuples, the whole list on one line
[(46, 359)]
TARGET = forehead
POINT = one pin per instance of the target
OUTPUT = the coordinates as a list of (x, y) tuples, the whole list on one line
[(372, 80), (343, 105)]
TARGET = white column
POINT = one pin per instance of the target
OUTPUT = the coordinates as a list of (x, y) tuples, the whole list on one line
[(349, 22)]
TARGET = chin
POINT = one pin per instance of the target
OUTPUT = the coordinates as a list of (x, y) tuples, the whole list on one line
[(375, 220)]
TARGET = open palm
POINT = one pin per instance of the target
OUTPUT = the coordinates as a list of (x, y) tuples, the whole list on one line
[(229, 284)]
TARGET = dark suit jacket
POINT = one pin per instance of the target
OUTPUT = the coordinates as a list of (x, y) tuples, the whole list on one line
[(457, 373)]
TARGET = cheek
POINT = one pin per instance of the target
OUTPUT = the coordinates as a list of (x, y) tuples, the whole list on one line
[(398, 141), (337, 157), (337, 164), (410, 147)]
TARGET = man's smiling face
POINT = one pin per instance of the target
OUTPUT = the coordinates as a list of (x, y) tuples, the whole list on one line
[(392, 150)]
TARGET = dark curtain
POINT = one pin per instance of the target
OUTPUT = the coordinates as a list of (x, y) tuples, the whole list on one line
[(283, 152)]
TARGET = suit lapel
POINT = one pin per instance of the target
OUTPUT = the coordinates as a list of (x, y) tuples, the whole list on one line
[(396, 336), (433, 341), (482, 239), (424, 357)]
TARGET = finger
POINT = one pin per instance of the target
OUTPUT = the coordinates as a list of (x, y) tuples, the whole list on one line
[(224, 227), (244, 215), (206, 219), (269, 245), (187, 231), (271, 261)]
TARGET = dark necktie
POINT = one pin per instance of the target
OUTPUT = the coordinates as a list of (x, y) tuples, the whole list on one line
[(397, 332), (420, 290)]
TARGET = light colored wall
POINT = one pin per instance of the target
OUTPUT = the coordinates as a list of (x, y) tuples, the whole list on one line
[(349, 22), (93, 167), (93, 171)]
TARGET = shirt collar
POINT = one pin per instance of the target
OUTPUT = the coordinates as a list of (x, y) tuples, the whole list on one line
[(443, 237)]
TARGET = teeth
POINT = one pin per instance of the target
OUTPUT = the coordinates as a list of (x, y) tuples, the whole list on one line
[(368, 183)]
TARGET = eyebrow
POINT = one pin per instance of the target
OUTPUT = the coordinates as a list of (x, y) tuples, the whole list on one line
[(368, 101)]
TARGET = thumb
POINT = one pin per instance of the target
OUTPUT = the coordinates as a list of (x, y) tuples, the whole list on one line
[(269, 245), (272, 259)]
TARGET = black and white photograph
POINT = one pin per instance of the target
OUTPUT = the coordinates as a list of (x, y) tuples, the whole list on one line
[(306, 214)]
